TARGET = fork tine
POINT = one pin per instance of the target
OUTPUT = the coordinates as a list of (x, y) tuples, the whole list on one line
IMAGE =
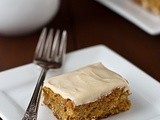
[(63, 44), (55, 45), (48, 46), (40, 45)]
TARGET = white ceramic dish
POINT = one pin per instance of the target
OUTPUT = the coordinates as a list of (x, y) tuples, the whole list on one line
[(24, 16), (16, 86), (144, 19)]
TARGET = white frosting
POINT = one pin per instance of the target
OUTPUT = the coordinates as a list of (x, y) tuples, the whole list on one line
[(86, 84)]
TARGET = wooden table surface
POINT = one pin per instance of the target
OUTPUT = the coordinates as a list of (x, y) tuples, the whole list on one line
[(89, 23)]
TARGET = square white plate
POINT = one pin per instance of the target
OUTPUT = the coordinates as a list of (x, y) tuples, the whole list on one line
[(133, 12), (16, 85)]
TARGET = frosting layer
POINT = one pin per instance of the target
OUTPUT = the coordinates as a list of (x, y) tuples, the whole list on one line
[(86, 84)]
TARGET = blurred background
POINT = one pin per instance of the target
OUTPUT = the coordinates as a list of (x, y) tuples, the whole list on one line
[(88, 23)]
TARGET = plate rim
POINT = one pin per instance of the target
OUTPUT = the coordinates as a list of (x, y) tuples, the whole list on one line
[(128, 15)]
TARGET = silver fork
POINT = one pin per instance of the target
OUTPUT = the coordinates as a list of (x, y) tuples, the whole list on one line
[(49, 54)]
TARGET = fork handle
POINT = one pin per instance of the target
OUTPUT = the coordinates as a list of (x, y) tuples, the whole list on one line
[(32, 110)]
